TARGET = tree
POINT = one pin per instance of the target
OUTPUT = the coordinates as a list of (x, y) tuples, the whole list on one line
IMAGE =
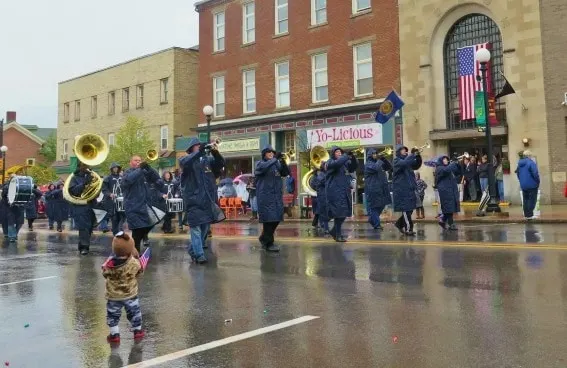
[(132, 139), (41, 174), (49, 149)]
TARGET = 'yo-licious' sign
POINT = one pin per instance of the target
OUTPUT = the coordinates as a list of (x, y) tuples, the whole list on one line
[(348, 136), (240, 145)]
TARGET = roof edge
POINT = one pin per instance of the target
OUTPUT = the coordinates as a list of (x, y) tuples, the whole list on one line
[(191, 49)]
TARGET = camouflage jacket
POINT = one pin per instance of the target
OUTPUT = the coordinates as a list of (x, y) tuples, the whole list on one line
[(121, 276)]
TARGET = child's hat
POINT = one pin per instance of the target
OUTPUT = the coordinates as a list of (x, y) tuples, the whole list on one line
[(122, 244)]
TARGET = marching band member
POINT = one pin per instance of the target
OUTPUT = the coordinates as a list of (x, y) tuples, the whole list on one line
[(110, 190), (57, 207), (376, 188), (404, 186), (338, 189), (322, 209), (213, 171), (180, 215), (313, 182), (197, 196), (447, 186), (12, 215), (31, 207), (84, 216), (269, 190), (170, 189), (137, 198)]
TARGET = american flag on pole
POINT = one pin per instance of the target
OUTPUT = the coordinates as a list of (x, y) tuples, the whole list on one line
[(145, 257), (469, 70)]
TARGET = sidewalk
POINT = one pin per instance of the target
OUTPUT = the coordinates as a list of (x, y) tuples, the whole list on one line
[(550, 214)]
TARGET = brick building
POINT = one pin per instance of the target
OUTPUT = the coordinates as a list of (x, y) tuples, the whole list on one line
[(159, 89), (296, 74), (528, 46), (23, 146)]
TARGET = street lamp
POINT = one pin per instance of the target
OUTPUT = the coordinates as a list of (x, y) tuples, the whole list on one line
[(3, 149), (208, 111), (483, 57)]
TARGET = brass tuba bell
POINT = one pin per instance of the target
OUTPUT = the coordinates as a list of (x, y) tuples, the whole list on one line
[(317, 157), (91, 150), (152, 155)]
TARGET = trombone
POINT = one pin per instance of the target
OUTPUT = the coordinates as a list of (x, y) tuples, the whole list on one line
[(152, 155)]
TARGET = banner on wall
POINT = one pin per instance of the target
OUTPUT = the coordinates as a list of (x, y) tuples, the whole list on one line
[(347, 136)]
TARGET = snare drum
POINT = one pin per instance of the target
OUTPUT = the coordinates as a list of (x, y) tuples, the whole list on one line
[(20, 190), (119, 204), (175, 205)]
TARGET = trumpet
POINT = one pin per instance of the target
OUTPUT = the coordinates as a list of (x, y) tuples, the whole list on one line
[(288, 156), (214, 144), (386, 152), (358, 151), (152, 155), (422, 148), (464, 155)]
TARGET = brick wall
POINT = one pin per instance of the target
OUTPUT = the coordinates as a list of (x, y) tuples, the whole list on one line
[(380, 26), (553, 14), (20, 148)]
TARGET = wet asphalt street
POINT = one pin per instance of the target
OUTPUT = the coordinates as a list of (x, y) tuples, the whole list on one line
[(485, 296)]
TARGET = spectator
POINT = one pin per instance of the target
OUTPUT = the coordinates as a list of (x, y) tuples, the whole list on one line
[(528, 175)]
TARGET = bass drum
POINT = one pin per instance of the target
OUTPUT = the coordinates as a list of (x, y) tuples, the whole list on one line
[(20, 190)]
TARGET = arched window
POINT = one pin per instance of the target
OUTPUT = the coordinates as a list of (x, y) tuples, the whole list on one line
[(471, 30)]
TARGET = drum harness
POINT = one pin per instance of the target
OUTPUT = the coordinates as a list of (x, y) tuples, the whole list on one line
[(117, 191)]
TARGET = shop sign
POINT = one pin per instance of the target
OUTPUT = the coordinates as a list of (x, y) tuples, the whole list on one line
[(240, 145), (347, 136)]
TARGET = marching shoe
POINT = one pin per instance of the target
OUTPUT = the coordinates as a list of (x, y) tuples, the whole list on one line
[(139, 334), (401, 228), (272, 248), (201, 260), (453, 227), (443, 225), (410, 233), (113, 338), (84, 252)]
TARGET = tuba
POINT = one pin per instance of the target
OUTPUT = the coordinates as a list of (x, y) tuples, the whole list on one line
[(91, 150), (152, 155), (317, 157)]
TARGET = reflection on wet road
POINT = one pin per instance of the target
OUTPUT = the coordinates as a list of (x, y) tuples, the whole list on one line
[(379, 304)]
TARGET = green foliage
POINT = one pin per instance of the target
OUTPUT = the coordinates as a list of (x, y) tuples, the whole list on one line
[(41, 174), (132, 139), (49, 149)]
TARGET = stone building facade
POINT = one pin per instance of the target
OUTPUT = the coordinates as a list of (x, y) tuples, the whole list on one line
[(527, 39), (160, 89)]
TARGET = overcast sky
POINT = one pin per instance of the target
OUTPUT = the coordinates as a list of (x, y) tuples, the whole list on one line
[(44, 42)]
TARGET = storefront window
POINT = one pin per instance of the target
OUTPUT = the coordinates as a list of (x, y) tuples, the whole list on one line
[(289, 141)]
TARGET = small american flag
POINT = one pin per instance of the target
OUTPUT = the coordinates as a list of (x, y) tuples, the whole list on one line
[(469, 69), (145, 257)]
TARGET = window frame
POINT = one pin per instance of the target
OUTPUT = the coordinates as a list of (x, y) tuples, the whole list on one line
[(245, 17), (163, 90), (356, 10), (314, 13), (245, 98), (65, 147), (216, 27), (111, 142), (94, 107), (66, 112), (77, 114), (215, 90), (278, 78), (277, 20), (139, 96), (355, 68), (111, 102), (314, 72), (125, 99), (162, 139)]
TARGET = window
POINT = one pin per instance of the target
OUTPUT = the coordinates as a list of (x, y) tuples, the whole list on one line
[(125, 99), (66, 112), (77, 110), (471, 30), (249, 90), (281, 16), (219, 31), (111, 139), (320, 83), (248, 23), (218, 96), (282, 84), (65, 149), (163, 134), (140, 96), (363, 82), (94, 106), (30, 161), (360, 5), (289, 141), (163, 91), (318, 12), (111, 102)]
